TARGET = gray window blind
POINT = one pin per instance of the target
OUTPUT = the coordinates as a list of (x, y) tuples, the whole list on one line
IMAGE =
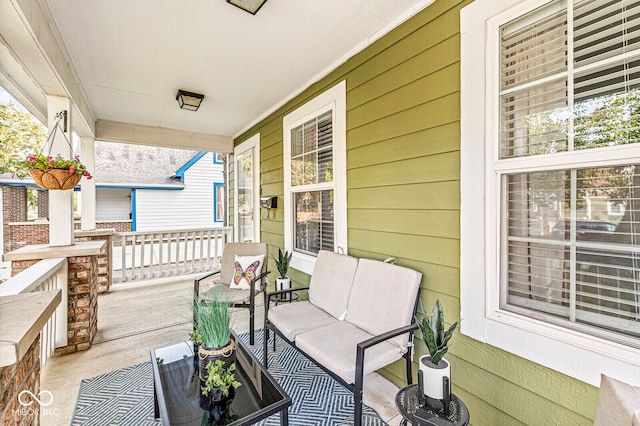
[(570, 81), (311, 168)]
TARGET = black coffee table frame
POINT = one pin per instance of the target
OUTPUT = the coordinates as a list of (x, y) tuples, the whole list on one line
[(261, 397)]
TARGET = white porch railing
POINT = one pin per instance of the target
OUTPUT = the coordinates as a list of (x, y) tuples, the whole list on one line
[(139, 256), (47, 274)]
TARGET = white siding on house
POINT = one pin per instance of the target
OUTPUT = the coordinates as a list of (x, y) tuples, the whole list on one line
[(191, 207), (113, 203)]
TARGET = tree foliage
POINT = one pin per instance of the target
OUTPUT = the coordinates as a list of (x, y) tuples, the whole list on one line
[(20, 134)]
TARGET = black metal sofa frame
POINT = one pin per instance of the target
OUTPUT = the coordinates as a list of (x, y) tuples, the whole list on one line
[(356, 387)]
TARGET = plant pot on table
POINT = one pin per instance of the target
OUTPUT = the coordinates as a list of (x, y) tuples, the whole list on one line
[(433, 374), (226, 353), (283, 284), (217, 404)]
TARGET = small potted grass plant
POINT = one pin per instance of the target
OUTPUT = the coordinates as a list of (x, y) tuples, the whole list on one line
[(283, 261), (212, 332), (433, 366)]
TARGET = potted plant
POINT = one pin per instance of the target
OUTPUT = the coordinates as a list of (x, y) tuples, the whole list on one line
[(433, 366), (212, 332), (282, 264), (53, 172), (218, 390)]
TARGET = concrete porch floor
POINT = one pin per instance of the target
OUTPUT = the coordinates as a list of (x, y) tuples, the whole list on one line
[(132, 319)]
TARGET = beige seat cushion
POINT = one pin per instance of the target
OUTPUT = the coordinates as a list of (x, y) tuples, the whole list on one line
[(383, 298), (331, 282), (334, 346), (224, 292), (295, 318), (619, 403)]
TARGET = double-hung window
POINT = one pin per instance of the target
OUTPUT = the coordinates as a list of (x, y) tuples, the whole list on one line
[(315, 177), (561, 173), (570, 92)]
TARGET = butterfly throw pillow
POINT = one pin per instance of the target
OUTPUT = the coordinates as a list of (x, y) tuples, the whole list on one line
[(247, 268)]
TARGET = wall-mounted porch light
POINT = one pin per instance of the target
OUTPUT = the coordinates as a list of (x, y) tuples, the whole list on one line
[(251, 6), (188, 100)]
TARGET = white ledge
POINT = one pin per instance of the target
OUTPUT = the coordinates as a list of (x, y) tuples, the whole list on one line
[(43, 251), (22, 317)]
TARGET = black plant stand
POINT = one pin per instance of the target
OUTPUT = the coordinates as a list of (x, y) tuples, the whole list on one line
[(420, 410)]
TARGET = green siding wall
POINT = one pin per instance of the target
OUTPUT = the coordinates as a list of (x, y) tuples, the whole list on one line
[(403, 180)]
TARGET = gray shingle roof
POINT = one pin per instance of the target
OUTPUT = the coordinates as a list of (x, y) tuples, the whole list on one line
[(138, 164)]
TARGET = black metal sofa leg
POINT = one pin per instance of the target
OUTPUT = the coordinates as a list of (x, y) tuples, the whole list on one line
[(251, 325), (357, 403), (265, 345), (357, 391)]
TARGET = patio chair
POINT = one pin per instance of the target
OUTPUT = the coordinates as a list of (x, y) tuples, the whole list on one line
[(242, 275)]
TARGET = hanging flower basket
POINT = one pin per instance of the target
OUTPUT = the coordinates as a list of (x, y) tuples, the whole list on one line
[(53, 173), (55, 179)]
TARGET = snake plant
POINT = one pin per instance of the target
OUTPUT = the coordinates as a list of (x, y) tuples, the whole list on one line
[(434, 334)]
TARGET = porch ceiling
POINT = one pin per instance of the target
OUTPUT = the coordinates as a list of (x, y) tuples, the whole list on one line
[(123, 61)]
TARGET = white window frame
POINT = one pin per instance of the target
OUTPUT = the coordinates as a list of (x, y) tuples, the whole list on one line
[(333, 99), (576, 354), (253, 143)]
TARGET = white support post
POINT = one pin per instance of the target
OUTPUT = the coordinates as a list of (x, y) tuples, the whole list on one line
[(88, 186), (60, 202)]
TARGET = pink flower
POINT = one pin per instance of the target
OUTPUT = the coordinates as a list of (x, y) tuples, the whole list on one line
[(72, 170)]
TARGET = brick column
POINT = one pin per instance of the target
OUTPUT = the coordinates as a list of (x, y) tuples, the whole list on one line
[(82, 291), (25, 375), (83, 304), (14, 208), (43, 206), (105, 257)]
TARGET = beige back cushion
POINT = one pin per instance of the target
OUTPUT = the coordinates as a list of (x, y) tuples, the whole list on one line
[(231, 250), (383, 298), (331, 282), (619, 403)]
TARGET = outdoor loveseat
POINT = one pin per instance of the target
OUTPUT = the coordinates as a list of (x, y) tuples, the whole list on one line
[(360, 317)]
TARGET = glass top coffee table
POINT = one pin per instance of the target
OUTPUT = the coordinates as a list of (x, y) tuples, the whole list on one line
[(177, 389)]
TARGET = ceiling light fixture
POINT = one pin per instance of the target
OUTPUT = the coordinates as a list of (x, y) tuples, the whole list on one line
[(251, 6), (188, 100)]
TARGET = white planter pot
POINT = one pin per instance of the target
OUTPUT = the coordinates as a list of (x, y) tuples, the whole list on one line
[(283, 283), (432, 376)]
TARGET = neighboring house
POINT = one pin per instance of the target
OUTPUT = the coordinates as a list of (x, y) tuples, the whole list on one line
[(159, 188), (389, 182), (139, 188)]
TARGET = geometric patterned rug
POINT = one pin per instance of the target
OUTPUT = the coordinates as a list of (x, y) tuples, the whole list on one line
[(125, 396)]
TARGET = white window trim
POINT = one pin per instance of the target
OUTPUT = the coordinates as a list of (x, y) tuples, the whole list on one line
[(253, 143), (570, 352), (336, 99)]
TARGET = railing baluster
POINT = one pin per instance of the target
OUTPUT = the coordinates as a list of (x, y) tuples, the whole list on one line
[(201, 257), (176, 272), (168, 253), (160, 255), (193, 251), (143, 250)]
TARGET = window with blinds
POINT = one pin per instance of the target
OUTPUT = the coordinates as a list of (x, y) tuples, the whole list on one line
[(312, 184), (570, 82)]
